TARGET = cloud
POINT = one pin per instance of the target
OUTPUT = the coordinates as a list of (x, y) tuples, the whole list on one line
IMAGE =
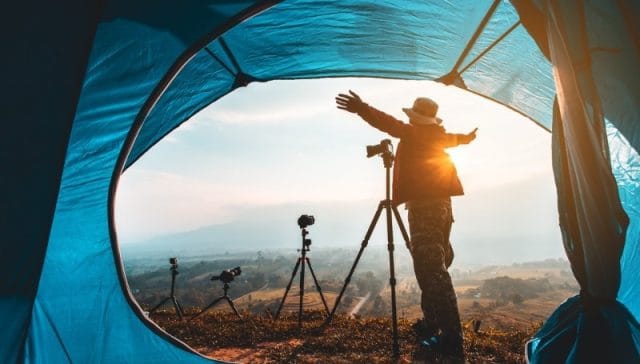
[(271, 115)]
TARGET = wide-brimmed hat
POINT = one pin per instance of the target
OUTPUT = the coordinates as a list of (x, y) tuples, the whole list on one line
[(423, 112)]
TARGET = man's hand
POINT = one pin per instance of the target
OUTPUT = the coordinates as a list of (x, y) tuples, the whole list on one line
[(472, 135), (351, 103)]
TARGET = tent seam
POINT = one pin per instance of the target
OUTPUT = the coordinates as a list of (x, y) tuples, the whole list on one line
[(55, 332), (224, 65), (476, 35), (490, 47)]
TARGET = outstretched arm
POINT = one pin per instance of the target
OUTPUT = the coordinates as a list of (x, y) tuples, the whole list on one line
[(376, 118), (453, 140)]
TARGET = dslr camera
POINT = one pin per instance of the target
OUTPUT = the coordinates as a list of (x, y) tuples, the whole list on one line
[(227, 275), (306, 220), (382, 148)]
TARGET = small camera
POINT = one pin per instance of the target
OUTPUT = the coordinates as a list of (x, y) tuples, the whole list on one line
[(227, 275), (383, 147), (306, 220), (173, 261)]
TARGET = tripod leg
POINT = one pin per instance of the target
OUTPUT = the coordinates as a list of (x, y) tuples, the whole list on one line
[(315, 280), (159, 305), (180, 307), (206, 308), (233, 307), (286, 292), (301, 293), (403, 230), (365, 241), (392, 279), (176, 305)]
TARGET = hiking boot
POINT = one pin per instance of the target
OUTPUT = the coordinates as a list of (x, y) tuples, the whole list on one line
[(434, 350), (432, 343)]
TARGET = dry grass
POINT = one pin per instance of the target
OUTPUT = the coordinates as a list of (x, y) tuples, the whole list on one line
[(260, 339)]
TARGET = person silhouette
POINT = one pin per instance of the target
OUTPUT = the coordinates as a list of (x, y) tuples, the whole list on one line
[(425, 178)]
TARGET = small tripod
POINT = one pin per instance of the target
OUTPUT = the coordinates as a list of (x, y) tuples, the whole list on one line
[(172, 297), (302, 261), (225, 297), (383, 149)]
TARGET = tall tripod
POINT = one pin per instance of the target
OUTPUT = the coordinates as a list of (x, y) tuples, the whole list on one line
[(172, 296), (384, 149), (225, 297), (302, 261)]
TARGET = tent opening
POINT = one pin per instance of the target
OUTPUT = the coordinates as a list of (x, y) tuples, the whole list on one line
[(225, 190)]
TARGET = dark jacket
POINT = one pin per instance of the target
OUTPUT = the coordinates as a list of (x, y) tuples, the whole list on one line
[(422, 168)]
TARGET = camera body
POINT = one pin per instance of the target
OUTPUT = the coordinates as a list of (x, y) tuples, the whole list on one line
[(227, 275), (174, 263), (306, 220), (382, 148)]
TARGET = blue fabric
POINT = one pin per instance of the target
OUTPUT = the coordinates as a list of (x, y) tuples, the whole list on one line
[(618, 83), (392, 39), (577, 331), (80, 292), (625, 162), (528, 70), (601, 239), (65, 297)]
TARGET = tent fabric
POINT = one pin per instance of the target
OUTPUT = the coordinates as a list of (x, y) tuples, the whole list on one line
[(151, 65), (591, 217), (592, 220), (585, 332), (625, 162), (82, 311), (307, 39), (38, 104)]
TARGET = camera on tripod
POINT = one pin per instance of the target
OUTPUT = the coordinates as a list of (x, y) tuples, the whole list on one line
[(303, 261), (227, 275), (379, 149), (306, 220), (173, 261)]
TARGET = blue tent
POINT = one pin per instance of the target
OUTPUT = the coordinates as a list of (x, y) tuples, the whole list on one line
[(89, 86)]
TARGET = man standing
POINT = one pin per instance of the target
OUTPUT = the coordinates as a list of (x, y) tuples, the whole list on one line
[(425, 178)]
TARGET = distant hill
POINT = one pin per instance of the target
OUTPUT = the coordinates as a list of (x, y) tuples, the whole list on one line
[(273, 227), (489, 228)]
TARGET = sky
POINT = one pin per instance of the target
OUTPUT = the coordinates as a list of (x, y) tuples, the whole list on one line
[(284, 142)]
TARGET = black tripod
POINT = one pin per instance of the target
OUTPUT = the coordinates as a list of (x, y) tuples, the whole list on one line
[(225, 297), (172, 297), (302, 261), (384, 150)]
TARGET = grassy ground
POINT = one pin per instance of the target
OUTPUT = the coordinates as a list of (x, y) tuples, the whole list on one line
[(260, 339)]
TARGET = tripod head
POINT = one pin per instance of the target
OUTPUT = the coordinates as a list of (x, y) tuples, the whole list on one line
[(306, 243), (173, 261)]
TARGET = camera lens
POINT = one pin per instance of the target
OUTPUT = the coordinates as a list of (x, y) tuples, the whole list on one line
[(377, 149)]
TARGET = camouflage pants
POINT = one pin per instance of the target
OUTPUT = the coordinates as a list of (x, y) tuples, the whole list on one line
[(430, 224)]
